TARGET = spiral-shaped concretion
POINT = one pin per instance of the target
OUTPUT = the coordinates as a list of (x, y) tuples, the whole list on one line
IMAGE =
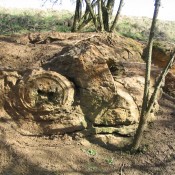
[(43, 91)]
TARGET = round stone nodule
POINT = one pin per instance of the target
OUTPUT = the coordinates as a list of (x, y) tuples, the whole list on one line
[(42, 91)]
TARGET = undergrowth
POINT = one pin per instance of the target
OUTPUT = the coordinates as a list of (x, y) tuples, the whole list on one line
[(30, 20), (22, 21), (138, 28)]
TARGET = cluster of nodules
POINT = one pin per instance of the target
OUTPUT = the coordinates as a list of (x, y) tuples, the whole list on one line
[(78, 94)]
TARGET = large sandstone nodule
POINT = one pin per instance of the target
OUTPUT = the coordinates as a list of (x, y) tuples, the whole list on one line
[(42, 90), (41, 102), (94, 87), (110, 90), (85, 66)]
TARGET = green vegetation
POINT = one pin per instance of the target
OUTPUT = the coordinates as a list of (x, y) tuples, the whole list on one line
[(110, 161), (22, 21), (91, 152), (139, 27)]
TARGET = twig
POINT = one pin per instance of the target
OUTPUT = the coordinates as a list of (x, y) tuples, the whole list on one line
[(86, 38), (121, 169)]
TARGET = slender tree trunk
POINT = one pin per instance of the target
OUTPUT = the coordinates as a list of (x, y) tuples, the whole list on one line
[(80, 10), (117, 16), (160, 81), (84, 23), (100, 16), (92, 14), (105, 17), (86, 14), (107, 13), (110, 7), (87, 17), (144, 112), (77, 16)]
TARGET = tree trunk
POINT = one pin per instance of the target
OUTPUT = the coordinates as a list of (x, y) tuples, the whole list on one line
[(160, 81), (107, 13), (77, 16), (84, 23), (117, 16), (87, 17), (110, 7), (145, 112), (100, 16), (80, 10), (92, 14), (153, 99)]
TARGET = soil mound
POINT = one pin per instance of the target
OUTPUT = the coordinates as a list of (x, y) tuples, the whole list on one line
[(63, 95)]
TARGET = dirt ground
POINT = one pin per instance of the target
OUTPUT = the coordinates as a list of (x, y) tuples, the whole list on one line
[(71, 154)]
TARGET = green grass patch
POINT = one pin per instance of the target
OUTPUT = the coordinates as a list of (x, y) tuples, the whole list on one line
[(22, 21), (30, 20), (138, 28)]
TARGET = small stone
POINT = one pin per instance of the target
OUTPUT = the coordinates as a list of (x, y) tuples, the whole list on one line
[(85, 142)]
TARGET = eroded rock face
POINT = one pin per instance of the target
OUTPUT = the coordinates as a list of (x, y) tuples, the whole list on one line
[(160, 55), (45, 91), (81, 89), (41, 102), (84, 64), (170, 84)]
